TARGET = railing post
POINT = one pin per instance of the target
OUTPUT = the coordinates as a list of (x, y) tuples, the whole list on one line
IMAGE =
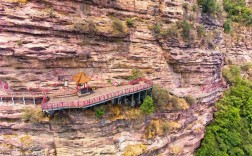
[(13, 102), (24, 100), (139, 100), (34, 102)]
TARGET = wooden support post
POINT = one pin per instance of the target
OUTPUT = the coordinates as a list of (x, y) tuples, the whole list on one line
[(34, 102), (13, 102), (139, 98), (151, 93), (132, 100), (24, 100)]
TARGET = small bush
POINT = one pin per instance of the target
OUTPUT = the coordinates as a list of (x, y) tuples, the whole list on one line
[(89, 26), (186, 29), (100, 112), (171, 32), (147, 106), (227, 26), (190, 100), (200, 31), (33, 115), (130, 22), (135, 73), (195, 8), (118, 27), (157, 28), (185, 6), (232, 74), (238, 11), (209, 6), (166, 128), (160, 97), (175, 103), (191, 17)]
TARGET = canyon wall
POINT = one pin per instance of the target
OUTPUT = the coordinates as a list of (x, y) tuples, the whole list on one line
[(41, 40)]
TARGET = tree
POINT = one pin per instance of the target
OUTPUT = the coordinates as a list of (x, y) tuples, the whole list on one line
[(147, 106), (231, 131)]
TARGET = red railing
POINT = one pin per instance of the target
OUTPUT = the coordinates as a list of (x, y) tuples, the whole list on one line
[(105, 97), (23, 94)]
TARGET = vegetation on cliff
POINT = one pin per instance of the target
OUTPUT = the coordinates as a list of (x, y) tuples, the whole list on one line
[(237, 10), (231, 131)]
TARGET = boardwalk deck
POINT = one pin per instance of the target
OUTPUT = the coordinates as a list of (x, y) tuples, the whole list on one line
[(101, 95)]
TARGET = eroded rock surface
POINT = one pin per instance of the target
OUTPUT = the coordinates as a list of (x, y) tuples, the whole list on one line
[(41, 40)]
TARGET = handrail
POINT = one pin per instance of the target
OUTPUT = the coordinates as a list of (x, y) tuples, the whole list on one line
[(98, 99), (23, 94)]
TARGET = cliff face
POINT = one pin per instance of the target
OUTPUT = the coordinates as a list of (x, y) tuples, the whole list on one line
[(42, 40)]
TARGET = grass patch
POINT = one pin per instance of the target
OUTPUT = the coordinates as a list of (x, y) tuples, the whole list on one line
[(227, 26), (33, 115), (134, 150), (130, 22), (118, 27)]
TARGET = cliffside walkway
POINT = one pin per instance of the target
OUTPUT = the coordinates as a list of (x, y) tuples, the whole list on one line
[(24, 96), (133, 94)]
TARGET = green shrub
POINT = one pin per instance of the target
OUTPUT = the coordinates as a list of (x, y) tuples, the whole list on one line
[(160, 96), (157, 28), (147, 107), (209, 6), (186, 29), (99, 112), (200, 31), (190, 100), (135, 73), (130, 22), (118, 27), (238, 11), (227, 26)]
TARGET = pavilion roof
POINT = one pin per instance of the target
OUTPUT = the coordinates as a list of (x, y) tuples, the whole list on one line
[(81, 78)]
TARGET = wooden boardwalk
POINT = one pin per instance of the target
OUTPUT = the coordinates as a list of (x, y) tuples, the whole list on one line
[(101, 95)]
